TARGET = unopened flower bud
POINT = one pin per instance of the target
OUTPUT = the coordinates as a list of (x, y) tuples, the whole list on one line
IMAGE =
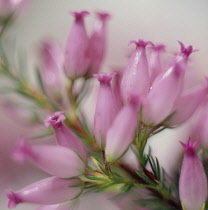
[(98, 42), (52, 64), (106, 109), (77, 48), (136, 76), (193, 181), (154, 63), (121, 133), (51, 190)]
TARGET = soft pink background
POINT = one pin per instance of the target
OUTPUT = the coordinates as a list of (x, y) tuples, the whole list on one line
[(158, 21)]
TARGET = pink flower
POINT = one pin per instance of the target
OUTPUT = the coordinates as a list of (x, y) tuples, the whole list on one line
[(51, 158), (136, 76), (64, 136), (106, 108), (193, 181), (98, 42), (52, 59), (77, 48), (121, 133), (165, 90), (154, 64), (51, 190)]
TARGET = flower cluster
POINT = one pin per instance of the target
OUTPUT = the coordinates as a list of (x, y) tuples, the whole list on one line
[(132, 105)]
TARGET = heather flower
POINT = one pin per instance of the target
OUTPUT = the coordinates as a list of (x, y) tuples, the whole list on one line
[(165, 90), (51, 56), (121, 134), (97, 44), (64, 136), (187, 104), (106, 109), (154, 63), (136, 76), (193, 181), (51, 158), (77, 48), (51, 190)]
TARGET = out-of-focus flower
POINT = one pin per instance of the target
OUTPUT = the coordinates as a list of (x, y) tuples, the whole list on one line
[(193, 181), (106, 108), (8, 7), (77, 58), (187, 104), (62, 206), (97, 45), (136, 76), (51, 159), (199, 128), (51, 190), (51, 70), (166, 89), (154, 63), (64, 136), (121, 133)]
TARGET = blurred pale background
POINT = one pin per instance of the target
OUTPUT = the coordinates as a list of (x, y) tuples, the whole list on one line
[(160, 21)]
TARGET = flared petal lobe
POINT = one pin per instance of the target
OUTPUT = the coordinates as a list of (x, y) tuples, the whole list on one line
[(193, 181), (77, 56), (106, 108), (51, 190), (121, 133), (56, 160)]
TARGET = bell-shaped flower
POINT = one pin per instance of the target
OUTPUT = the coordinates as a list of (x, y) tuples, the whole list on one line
[(52, 59), (154, 63), (51, 190), (187, 104), (136, 76), (163, 94), (56, 160), (193, 181), (77, 58), (121, 133), (106, 108), (97, 45), (64, 136)]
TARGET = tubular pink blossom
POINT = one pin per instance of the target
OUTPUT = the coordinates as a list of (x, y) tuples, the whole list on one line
[(163, 94), (52, 63), (193, 181), (136, 77), (64, 136), (121, 133), (98, 42), (154, 63), (51, 190), (55, 160), (106, 109), (77, 48), (187, 104)]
